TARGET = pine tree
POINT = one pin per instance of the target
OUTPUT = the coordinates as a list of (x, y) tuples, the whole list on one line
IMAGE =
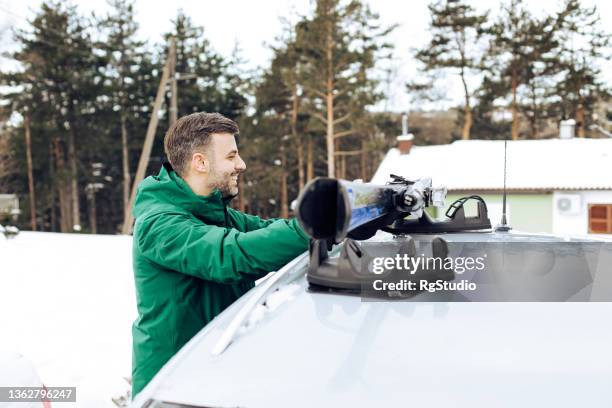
[(521, 52), (456, 30), (583, 44), (57, 86), (129, 88), (206, 80), (7, 163), (274, 110), (287, 66), (278, 107), (489, 122), (339, 46)]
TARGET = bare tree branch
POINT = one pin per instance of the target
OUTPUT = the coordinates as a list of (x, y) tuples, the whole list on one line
[(345, 133), (342, 119), (319, 116), (348, 152)]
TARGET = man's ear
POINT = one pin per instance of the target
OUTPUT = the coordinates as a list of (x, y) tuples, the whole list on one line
[(200, 163)]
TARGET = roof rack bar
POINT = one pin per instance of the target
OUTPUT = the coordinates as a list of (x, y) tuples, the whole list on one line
[(263, 290)]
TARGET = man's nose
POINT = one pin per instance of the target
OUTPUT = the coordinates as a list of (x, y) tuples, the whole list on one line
[(240, 164)]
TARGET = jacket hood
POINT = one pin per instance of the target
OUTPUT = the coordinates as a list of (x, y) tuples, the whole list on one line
[(169, 192)]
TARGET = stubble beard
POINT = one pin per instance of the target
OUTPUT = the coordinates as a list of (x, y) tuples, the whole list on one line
[(224, 183)]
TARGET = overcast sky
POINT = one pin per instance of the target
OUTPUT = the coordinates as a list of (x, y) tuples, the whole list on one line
[(255, 24)]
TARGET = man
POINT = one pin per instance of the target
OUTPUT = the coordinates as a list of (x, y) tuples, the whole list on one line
[(193, 256)]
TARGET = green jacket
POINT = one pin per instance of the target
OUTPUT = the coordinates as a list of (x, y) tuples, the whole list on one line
[(192, 257)]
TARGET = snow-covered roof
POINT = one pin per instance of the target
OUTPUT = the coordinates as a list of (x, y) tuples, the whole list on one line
[(548, 164)]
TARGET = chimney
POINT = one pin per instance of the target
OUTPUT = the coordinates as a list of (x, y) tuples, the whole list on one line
[(404, 141), (567, 129)]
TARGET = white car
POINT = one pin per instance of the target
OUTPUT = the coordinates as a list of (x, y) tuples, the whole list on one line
[(532, 328), (18, 371), (287, 343)]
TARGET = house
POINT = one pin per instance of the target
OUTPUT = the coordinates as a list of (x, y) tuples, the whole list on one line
[(9, 208), (560, 186)]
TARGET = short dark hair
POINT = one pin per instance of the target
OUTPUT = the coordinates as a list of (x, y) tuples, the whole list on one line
[(192, 132)]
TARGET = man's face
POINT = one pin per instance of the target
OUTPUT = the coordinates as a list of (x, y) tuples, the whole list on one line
[(225, 164)]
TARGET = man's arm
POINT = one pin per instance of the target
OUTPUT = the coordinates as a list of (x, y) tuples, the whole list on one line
[(246, 222), (184, 244)]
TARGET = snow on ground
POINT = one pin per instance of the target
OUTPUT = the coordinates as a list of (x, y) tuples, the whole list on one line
[(67, 303)]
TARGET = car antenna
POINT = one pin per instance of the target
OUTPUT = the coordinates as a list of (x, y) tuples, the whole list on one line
[(503, 225)]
